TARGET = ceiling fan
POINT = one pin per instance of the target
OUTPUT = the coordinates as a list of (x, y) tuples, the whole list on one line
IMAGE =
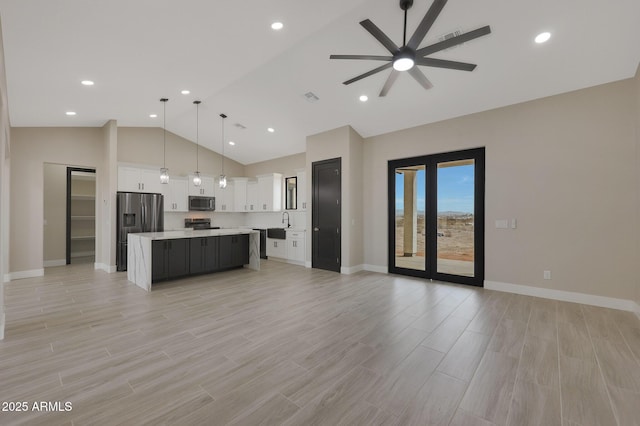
[(406, 57)]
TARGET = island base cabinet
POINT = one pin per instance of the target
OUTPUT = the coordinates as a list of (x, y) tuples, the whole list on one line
[(233, 251), (203, 255), (170, 259)]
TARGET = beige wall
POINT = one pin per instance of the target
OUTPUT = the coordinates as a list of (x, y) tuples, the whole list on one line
[(55, 213), (354, 208), (285, 165), (106, 186), (343, 143), (144, 145), (637, 122), (31, 148), (4, 183), (563, 166)]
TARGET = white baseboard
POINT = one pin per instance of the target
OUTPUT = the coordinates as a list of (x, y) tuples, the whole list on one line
[(348, 270), (102, 267), (376, 268), (637, 310), (2, 320), (565, 296), (57, 262), (23, 274), (307, 264)]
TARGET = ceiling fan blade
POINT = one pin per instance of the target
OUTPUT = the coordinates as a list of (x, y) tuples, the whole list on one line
[(390, 80), (368, 73), (367, 57), (379, 35), (426, 23), (441, 63), (420, 78), (453, 41)]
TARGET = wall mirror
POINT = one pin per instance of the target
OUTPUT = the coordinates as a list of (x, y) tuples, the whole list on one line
[(291, 193)]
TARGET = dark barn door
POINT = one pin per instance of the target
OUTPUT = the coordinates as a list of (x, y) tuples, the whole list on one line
[(326, 211)]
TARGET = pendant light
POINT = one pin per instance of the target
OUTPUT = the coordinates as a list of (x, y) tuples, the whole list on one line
[(197, 180), (223, 178), (164, 172)]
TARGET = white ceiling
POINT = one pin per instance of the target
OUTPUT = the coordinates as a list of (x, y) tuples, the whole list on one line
[(225, 52)]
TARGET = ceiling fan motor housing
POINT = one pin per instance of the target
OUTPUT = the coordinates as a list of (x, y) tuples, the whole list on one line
[(406, 4)]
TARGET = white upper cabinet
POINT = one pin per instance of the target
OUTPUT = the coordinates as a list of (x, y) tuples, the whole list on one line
[(270, 192), (252, 196), (176, 195), (240, 194), (225, 197), (206, 188), (136, 179), (301, 188)]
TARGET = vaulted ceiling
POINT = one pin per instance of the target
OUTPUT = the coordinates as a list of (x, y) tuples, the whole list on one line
[(227, 56)]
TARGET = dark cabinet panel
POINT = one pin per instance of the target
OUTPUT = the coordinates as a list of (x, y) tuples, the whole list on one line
[(159, 270), (178, 255), (203, 255), (233, 251), (169, 259), (189, 256)]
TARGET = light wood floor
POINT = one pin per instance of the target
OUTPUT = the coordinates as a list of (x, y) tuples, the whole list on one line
[(295, 346)]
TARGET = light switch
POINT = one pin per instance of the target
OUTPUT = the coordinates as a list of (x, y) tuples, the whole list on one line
[(502, 223)]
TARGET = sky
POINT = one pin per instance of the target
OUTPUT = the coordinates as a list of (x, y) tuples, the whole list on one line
[(455, 189)]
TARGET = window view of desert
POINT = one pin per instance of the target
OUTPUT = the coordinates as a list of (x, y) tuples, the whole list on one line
[(455, 244), (455, 227)]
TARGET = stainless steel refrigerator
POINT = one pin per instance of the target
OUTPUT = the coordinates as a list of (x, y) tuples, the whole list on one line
[(137, 212)]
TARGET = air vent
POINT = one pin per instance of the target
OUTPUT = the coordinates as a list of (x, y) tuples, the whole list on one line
[(451, 35), (311, 97), (240, 126)]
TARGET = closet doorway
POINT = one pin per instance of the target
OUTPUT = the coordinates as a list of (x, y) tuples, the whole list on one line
[(81, 215)]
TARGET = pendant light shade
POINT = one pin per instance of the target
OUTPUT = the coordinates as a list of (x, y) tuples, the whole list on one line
[(164, 172), (223, 178), (197, 180)]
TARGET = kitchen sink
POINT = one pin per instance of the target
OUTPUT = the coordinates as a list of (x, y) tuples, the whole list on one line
[(277, 233)]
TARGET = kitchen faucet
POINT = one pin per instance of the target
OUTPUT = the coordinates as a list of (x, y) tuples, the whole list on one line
[(287, 213)]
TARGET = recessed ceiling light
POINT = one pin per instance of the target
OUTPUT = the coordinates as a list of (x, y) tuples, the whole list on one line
[(87, 83), (364, 98), (543, 37), (277, 26), (271, 130), (153, 115), (232, 143), (70, 113), (185, 92)]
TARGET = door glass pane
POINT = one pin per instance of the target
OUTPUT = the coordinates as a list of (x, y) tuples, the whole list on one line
[(410, 218), (456, 222)]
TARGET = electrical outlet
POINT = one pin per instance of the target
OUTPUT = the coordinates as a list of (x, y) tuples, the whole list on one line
[(547, 275)]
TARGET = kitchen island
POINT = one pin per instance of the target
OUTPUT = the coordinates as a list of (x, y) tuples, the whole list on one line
[(160, 256)]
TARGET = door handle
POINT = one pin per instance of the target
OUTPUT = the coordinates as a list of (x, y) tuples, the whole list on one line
[(316, 229)]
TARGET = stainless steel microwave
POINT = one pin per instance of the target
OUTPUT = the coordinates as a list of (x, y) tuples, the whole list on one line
[(202, 203)]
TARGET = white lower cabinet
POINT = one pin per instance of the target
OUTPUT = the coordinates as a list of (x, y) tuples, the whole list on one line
[(276, 248), (296, 246)]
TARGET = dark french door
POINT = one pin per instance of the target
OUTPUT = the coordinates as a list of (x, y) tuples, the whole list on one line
[(436, 216)]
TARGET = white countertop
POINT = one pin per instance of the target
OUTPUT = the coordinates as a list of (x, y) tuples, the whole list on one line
[(191, 233)]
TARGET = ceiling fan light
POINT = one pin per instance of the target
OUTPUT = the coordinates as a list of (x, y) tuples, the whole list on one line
[(543, 37), (403, 64)]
